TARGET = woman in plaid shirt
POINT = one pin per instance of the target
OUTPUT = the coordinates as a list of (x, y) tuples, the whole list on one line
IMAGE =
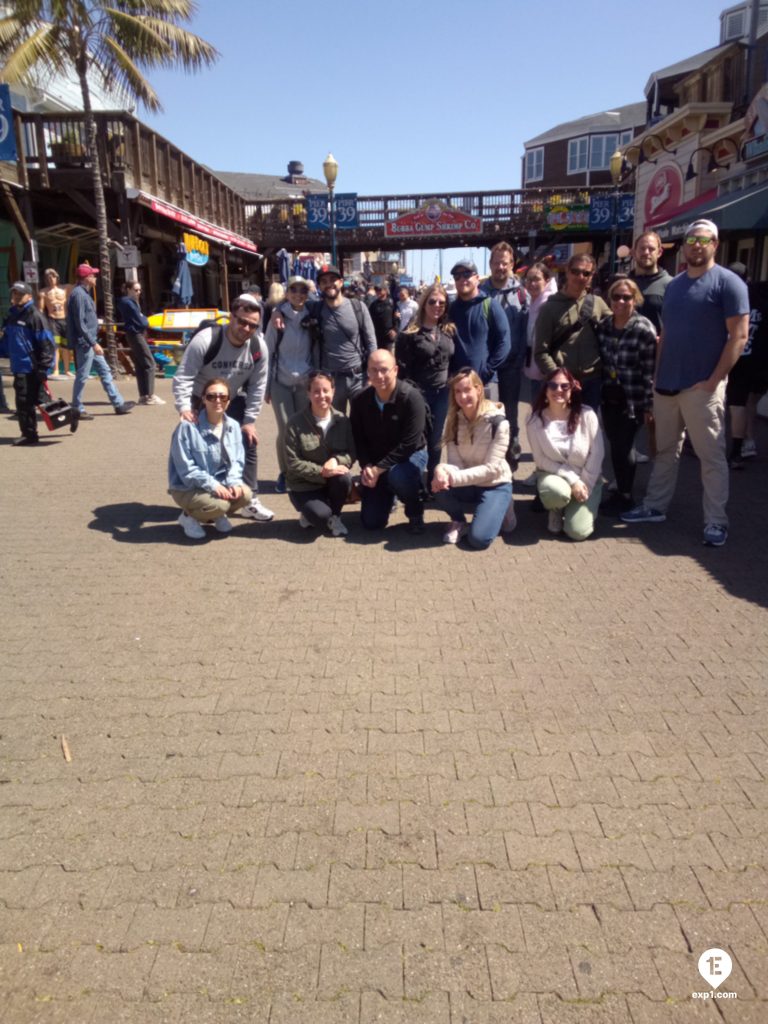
[(628, 351)]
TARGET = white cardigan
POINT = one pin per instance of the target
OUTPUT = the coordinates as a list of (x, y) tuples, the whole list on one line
[(585, 458)]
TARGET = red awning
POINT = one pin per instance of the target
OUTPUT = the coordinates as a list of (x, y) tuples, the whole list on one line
[(189, 220)]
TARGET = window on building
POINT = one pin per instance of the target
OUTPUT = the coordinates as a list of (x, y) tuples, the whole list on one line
[(578, 155), (625, 138), (602, 149), (534, 164)]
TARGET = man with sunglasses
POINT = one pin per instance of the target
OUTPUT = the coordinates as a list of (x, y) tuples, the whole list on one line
[(705, 324), (482, 332), (565, 329), (237, 353)]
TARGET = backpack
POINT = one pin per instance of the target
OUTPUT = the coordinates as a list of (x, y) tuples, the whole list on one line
[(564, 331), (357, 306)]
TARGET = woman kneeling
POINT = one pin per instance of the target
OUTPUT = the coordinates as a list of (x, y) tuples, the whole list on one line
[(567, 447), (476, 477), (205, 468), (319, 452)]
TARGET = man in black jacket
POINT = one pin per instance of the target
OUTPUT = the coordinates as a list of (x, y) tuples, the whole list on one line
[(389, 428), (383, 316)]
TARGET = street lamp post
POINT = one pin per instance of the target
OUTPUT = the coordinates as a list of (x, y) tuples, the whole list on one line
[(330, 170), (617, 161)]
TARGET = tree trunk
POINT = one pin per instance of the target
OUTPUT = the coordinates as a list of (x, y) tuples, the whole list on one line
[(101, 221)]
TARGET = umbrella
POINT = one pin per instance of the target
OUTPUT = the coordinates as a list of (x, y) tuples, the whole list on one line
[(182, 281)]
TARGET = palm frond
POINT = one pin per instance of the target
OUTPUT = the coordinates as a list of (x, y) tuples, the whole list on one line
[(171, 44), (40, 49), (124, 75)]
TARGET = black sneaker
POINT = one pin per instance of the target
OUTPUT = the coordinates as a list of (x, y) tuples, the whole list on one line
[(122, 410), (416, 525), (23, 442)]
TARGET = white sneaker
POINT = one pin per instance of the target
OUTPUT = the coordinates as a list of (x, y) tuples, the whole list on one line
[(152, 400), (454, 532), (555, 520), (337, 528), (190, 526), (255, 510), (641, 457), (748, 449), (223, 525), (510, 519), (304, 523)]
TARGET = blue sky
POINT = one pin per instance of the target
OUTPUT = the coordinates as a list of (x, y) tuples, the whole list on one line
[(414, 96)]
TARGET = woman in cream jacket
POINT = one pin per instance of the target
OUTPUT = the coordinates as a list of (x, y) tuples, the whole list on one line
[(476, 476)]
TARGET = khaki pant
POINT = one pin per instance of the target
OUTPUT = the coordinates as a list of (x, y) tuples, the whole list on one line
[(205, 508), (702, 414)]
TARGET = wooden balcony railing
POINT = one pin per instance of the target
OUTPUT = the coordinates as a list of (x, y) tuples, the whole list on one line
[(503, 214), (52, 151)]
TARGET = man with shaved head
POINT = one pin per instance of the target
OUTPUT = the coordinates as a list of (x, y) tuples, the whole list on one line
[(389, 426)]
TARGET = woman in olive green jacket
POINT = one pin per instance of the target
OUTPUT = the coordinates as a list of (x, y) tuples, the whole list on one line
[(319, 453)]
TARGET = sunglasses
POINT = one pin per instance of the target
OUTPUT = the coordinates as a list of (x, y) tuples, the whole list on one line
[(298, 288), (622, 298), (580, 272), (698, 239), (554, 385), (462, 275), (435, 302), (216, 396), (246, 324)]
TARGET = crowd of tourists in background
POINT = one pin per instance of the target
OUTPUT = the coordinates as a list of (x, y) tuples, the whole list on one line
[(422, 392)]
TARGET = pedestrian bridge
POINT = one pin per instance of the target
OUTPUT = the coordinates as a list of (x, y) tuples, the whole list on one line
[(531, 216)]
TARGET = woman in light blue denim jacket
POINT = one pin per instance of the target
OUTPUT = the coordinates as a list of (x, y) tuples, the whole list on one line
[(205, 466)]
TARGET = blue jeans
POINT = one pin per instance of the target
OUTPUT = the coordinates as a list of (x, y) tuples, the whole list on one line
[(488, 506), (437, 400), (404, 481), (85, 360)]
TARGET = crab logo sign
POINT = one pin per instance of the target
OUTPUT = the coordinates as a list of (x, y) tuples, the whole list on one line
[(7, 136)]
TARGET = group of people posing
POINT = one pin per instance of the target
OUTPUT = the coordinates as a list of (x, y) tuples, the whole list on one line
[(431, 416)]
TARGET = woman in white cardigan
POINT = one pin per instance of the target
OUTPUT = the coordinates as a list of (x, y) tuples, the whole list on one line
[(567, 446), (476, 476)]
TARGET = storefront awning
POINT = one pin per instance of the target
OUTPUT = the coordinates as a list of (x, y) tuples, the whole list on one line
[(746, 210), (202, 227)]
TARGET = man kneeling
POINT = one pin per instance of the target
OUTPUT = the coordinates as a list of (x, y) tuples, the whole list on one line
[(389, 428)]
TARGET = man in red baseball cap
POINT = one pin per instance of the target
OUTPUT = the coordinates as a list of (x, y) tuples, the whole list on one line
[(83, 338)]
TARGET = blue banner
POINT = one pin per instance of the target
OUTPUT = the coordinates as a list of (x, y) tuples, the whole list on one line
[(601, 213), (626, 217), (345, 206), (7, 134)]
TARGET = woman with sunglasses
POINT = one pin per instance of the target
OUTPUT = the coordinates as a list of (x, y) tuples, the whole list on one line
[(205, 468), (628, 351), (291, 358), (476, 476), (567, 447), (319, 451), (423, 352)]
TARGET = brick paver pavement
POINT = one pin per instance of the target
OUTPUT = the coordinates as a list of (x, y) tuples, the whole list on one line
[(326, 782)]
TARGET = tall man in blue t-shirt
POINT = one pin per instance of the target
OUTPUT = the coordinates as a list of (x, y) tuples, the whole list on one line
[(705, 321)]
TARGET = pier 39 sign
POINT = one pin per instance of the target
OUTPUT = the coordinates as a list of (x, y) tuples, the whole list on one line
[(433, 218)]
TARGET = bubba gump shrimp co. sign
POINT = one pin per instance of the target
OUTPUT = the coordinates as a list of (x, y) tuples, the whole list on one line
[(433, 218)]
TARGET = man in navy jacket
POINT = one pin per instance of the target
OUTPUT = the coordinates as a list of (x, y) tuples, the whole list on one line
[(482, 331), (32, 354)]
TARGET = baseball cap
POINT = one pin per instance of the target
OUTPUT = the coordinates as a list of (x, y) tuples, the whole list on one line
[(464, 265), (301, 281), (329, 268), (702, 225), (21, 287), (85, 270)]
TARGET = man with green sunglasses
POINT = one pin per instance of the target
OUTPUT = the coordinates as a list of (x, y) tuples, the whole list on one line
[(705, 321)]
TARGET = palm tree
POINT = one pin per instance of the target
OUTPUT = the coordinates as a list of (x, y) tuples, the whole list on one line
[(107, 41)]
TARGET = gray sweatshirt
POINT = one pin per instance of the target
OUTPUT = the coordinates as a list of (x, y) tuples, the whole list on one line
[(343, 349), (235, 365), (294, 355)]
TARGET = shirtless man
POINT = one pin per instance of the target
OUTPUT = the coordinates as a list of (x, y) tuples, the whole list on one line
[(53, 302)]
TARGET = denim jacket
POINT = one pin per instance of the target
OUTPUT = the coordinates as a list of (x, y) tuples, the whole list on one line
[(199, 460)]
